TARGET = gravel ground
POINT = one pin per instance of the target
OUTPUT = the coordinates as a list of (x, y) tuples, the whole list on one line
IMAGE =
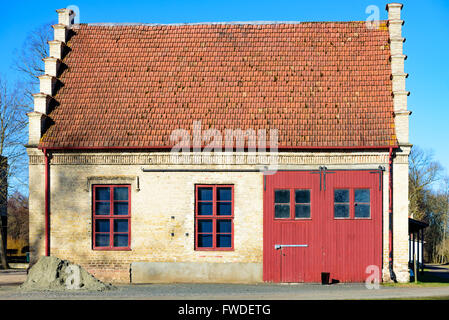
[(11, 279), (231, 292)]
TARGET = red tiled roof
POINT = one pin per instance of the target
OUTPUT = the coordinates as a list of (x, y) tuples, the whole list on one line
[(322, 84)]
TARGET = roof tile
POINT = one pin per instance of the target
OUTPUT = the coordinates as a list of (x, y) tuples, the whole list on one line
[(323, 84)]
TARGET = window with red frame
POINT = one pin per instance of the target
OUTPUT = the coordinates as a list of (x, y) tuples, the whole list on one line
[(352, 203), (284, 197), (214, 217), (111, 217)]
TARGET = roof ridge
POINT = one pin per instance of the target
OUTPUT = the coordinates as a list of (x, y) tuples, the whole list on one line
[(262, 22)]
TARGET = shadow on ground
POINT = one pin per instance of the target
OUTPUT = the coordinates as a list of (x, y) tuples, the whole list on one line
[(434, 273)]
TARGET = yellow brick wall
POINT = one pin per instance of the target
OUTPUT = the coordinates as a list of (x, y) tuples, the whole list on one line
[(158, 196), (161, 196)]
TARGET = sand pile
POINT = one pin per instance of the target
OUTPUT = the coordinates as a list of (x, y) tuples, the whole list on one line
[(51, 273)]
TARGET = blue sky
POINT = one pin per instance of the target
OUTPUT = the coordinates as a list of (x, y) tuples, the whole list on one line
[(426, 30)]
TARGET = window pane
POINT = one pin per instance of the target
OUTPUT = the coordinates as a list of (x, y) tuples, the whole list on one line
[(121, 208), (205, 240), (341, 195), (361, 195), (102, 225), (362, 211), (205, 208), (120, 193), (341, 210), (102, 240), (102, 193), (302, 196), (224, 208), (205, 194), (120, 240), (282, 196), (102, 208), (282, 211), (223, 240), (120, 225), (302, 211), (224, 226), (224, 194), (204, 225)]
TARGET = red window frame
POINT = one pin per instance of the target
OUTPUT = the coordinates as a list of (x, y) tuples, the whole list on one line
[(352, 203), (302, 203), (363, 203), (214, 217), (111, 217), (292, 205)]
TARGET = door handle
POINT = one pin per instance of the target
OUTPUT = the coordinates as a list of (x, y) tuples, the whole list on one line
[(280, 246)]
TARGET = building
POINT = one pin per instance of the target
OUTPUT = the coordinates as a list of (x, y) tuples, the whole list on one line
[(325, 193), (416, 243)]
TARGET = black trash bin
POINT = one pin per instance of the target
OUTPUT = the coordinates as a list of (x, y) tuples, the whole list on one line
[(325, 277)]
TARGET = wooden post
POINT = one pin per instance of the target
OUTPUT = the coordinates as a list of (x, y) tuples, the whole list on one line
[(415, 264), (409, 248), (418, 255), (422, 249), (3, 261), (413, 247)]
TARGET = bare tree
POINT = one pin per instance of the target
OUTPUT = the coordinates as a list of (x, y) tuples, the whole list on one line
[(443, 248), (436, 245), (13, 124), (29, 60), (13, 133), (18, 217), (429, 203), (14, 104), (424, 171), (29, 64)]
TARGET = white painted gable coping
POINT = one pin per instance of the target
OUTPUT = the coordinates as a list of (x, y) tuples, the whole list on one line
[(65, 16), (36, 126), (51, 66), (56, 48), (60, 32), (41, 101), (47, 84), (398, 75)]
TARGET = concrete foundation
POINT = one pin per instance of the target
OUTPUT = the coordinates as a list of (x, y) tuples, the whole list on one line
[(169, 272)]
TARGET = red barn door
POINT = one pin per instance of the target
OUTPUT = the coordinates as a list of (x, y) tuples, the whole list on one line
[(322, 222)]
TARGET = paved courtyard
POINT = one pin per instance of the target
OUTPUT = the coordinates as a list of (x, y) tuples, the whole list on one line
[(11, 279)]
